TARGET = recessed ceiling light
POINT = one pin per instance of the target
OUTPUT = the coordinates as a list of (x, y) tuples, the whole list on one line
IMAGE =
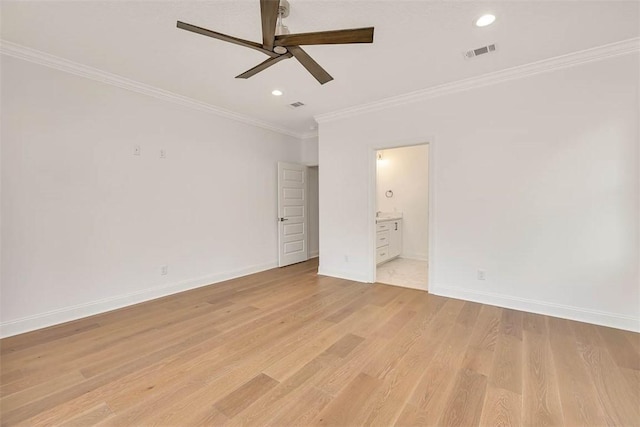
[(276, 92), (485, 20)]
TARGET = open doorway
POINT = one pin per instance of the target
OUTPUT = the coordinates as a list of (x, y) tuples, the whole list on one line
[(402, 216), (314, 221), (298, 225)]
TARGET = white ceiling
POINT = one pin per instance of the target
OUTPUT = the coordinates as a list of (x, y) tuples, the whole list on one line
[(417, 44)]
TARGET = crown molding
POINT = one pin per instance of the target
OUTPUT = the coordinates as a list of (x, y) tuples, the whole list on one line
[(38, 57), (559, 62), (565, 61)]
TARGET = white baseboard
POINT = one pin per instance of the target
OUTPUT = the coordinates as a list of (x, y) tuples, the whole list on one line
[(66, 314), (347, 275), (314, 254), (550, 309)]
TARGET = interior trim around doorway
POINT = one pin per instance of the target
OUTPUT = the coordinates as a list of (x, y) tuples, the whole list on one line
[(431, 197)]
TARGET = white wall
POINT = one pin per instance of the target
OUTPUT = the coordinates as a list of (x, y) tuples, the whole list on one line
[(86, 225), (405, 171), (310, 151), (535, 180)]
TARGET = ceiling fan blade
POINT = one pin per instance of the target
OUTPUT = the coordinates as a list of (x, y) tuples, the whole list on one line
[(263, 65), (312, 66), (269, 14), (224, 37), (356, 35)]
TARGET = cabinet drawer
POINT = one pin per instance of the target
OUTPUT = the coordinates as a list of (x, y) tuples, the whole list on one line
[(383, 226), (382, 254), (382, 238)]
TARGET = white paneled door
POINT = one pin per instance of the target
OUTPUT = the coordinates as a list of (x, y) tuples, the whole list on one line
[(292, 213)]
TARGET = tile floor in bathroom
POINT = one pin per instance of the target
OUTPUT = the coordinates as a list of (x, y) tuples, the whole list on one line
[(410, 273)]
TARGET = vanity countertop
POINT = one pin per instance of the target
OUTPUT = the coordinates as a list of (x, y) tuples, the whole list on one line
[(388, 217)]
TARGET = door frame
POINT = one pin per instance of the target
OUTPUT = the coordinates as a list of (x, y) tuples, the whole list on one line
[(431, 198), (317, 211), (280, 224)]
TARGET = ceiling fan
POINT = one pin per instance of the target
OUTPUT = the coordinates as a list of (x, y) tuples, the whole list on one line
[(278, 44)]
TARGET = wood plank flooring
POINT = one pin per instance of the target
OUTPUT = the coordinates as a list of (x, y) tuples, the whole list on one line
[(286, 347)]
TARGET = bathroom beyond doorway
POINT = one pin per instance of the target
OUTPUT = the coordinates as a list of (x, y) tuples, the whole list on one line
[(402, 206)]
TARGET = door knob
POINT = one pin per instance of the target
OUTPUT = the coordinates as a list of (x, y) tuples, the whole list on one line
[(282, 219)]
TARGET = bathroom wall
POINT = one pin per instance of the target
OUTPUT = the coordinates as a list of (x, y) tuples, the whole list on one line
[(405, 172)]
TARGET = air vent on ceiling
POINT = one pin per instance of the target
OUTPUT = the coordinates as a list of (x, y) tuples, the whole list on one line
[(480, 51), (297, 104)]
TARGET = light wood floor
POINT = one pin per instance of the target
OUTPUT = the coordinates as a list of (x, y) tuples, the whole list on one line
[(286, 347)]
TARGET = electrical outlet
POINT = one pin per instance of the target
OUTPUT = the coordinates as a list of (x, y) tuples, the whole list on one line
[(163, 153), (136, 150), (481, 275), (164, 270)]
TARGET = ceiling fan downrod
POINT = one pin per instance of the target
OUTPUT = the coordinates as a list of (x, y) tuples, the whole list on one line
[(284, 8), (281, 29)]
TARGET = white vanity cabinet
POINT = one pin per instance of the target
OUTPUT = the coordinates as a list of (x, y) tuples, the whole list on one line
[(388, 239), (395, 238)]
